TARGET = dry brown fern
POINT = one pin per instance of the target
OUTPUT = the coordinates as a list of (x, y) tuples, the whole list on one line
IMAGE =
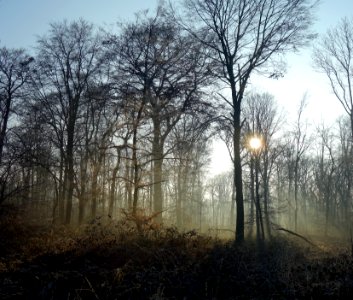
[(145, 223)]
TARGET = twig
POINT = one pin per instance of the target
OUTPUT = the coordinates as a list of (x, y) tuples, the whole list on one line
[(92, 289)]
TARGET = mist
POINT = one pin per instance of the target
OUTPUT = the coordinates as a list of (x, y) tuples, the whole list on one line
[(108, 182)]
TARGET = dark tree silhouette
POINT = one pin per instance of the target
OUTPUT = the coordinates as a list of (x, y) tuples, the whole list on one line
[(67, 61), (242, 37), (14, 73), (165, 69), (333, 56)]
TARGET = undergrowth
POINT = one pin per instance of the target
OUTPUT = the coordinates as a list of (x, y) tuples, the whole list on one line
[(109, 259)]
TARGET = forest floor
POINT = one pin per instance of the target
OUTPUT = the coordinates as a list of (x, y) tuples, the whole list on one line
[(112, 260)]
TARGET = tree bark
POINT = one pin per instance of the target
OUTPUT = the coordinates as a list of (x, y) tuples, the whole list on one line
[(73, 108), (157, 156), (238, 181), (113, 185), (70, 173), (5, 119)]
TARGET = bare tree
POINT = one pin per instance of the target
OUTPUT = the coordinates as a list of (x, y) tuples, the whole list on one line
[(345, 159), (67, 61), (325, 173), (263, 120), (242, 37), (14, 73), (334, 57), (220, 190), (164, 68), (300, 145), (188, 148)]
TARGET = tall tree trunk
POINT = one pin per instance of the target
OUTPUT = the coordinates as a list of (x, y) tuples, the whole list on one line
[(157, 181), (135, 170), (266, 184), (62, 186), (97, 166), (266, 208), (70, 180), (113, 185), (238, 181), (129, 177), (232, 207), (157, 156), (94, 189), (179, 197), (252, 196), (259, 219), (70, 158), (83, 197), (296, 179), (5, 119)]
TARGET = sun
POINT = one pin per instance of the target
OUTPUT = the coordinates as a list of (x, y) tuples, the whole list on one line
[(255, 143)]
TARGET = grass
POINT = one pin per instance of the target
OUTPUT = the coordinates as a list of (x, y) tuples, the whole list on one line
[(114, 260)]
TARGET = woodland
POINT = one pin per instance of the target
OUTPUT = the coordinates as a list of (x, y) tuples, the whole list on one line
[(105, 147)]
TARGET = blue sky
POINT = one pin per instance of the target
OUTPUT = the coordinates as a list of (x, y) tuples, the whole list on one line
[(22, 20)]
